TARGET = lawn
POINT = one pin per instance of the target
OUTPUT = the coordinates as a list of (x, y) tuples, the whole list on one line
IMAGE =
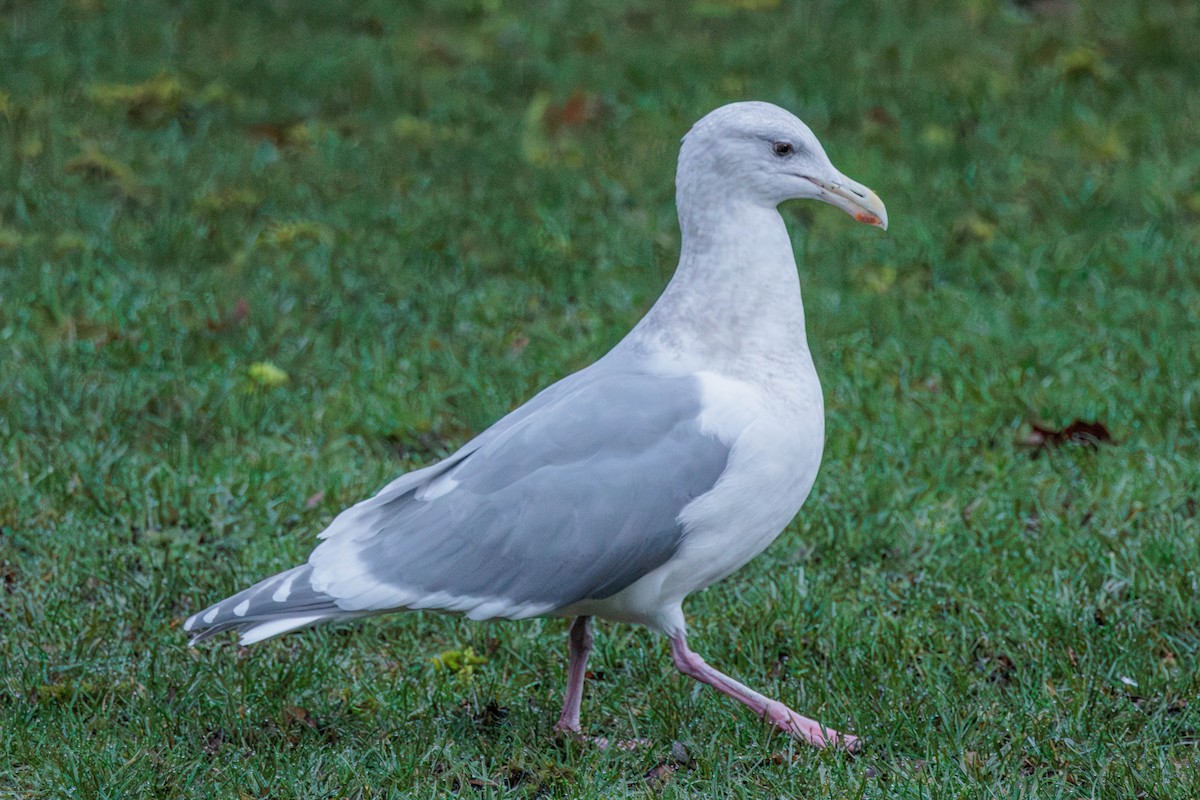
[(256, 259)]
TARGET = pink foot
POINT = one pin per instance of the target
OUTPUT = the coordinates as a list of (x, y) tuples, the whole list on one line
[(773, 711), (809, 730)]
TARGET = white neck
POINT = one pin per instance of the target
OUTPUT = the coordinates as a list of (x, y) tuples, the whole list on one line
[(734, 303)]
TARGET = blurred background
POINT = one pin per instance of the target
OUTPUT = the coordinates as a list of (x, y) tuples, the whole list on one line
[(256, 259)]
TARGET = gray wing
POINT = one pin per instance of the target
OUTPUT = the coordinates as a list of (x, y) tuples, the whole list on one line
[(573, 496)]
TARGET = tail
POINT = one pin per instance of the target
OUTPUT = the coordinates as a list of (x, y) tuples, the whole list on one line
[(281, 603)]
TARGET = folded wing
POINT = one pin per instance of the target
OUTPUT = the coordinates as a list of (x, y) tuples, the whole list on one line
[(573, 496)]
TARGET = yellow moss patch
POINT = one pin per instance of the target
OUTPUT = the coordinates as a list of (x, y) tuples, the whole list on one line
[(266, 374), (151, 102), (93, 164)]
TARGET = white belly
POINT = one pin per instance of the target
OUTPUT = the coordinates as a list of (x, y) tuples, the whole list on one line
[(775, 455)]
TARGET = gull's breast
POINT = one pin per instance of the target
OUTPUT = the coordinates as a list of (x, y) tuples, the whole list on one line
[(776, 435)]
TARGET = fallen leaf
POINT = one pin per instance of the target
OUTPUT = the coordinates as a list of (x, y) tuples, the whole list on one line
[(151, 103), (282, 134), (298, 715), (213, 741), (491, 715), (659, 775), (545, 125), (291, 235), (314, 500), (1083, 62), (580, 109), (977, 227), (1090, 434), (880, 116), (65, 243), (8, 577), (266, 374), (93, 164), (231, 319), (241, 310), (681, 755), (1166, 659)]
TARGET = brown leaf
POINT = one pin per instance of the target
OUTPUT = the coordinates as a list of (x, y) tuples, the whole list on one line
[(213, 741), (1166, 659), (880, 116), (298, 715), (579, 110), (1090, 434), (241, 310), (1003, 671), (660, 775), (490, 715), (680, 754), (281, 134), (232, 318), (8, 576), (999, 667)]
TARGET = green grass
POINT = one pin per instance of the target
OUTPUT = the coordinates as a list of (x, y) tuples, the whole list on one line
[(422, 215)]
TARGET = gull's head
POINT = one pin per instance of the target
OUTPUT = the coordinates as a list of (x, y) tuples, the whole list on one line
[(760, 153)]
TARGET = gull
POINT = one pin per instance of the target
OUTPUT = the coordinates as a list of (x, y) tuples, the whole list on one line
[(618, 491)]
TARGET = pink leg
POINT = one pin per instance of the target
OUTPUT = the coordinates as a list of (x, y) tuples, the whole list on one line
[(578, 649), (777, 713)]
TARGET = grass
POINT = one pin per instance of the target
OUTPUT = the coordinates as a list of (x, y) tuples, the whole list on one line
[(420, 214)]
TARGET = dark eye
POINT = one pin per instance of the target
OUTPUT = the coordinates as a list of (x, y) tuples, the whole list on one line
[(783, 149)]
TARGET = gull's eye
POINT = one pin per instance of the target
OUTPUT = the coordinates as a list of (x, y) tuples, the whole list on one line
[(783, 149)]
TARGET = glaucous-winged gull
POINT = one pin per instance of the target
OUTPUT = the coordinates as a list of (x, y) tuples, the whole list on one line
[(656, 471)]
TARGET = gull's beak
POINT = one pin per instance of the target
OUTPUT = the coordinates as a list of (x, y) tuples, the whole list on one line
[(852, 197)]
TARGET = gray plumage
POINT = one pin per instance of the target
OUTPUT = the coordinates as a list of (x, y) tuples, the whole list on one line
[(572, 497)]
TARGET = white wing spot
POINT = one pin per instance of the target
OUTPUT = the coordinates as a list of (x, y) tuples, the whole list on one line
[(242, 608), (285, 589), (212, 614)]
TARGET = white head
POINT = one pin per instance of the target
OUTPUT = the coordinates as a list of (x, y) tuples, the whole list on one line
[(758, 153)]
